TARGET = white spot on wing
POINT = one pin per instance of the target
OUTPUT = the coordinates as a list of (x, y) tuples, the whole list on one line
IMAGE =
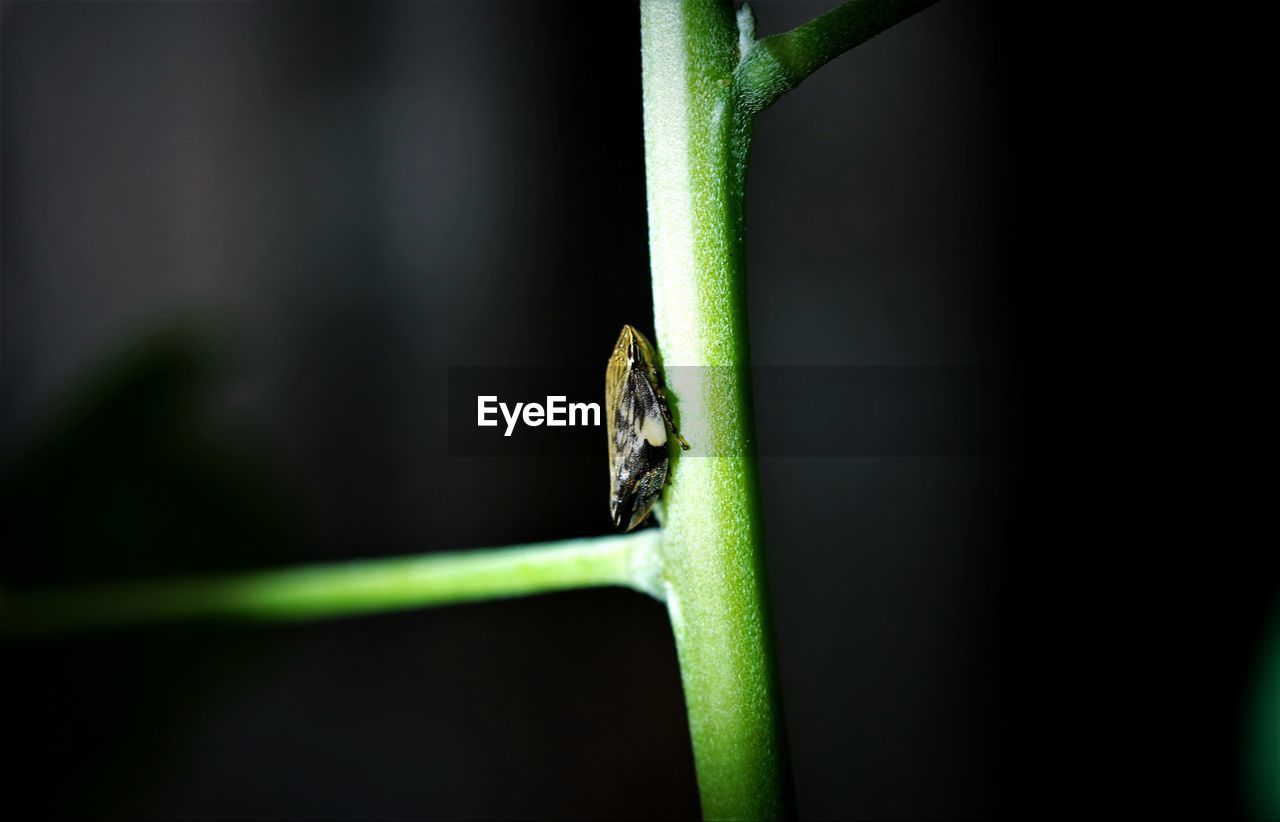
[(654, 430)]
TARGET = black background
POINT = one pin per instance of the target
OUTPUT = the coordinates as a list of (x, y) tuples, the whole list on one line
[(242, 245)]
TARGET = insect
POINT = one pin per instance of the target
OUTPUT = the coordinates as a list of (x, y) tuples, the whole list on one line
[(638, 420)]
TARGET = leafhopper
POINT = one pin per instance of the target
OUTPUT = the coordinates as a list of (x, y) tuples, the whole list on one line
[(639, 425)]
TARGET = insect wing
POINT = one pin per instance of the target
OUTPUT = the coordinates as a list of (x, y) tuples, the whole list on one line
[(640, 452), (637, 431)]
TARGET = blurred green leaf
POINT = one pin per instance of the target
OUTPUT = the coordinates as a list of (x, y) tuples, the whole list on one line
[(132, 473)]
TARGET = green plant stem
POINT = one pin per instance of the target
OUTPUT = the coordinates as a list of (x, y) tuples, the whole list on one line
[(344, 589), (777, 64), (705, 78), (696, 141)]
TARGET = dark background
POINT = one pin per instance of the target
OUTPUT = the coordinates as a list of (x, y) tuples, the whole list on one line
[(243, 243)]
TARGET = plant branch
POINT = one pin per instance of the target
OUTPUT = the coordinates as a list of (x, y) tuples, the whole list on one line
[(344, 589), (773, 66), (705, 78), (697, 137)]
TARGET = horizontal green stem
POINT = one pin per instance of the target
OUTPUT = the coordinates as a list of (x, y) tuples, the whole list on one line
[(777, 64), (346, 588)]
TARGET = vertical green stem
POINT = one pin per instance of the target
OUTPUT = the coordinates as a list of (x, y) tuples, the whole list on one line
[(696, 141)]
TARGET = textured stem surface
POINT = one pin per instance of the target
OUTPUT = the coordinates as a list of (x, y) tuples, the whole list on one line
[(777, 64), (696, 141)]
